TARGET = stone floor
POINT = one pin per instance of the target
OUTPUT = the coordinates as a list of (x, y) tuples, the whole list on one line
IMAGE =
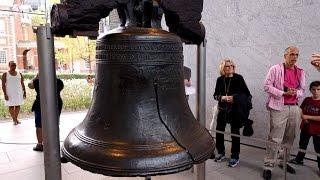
[(19, 162)]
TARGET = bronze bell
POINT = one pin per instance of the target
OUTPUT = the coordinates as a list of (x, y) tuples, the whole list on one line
[(139, 122)]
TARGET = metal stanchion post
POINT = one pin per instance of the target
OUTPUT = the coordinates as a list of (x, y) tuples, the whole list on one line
[(285, 162), (49, 106), (200, 169)]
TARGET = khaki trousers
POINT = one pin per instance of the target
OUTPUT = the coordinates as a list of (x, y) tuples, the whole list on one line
[(282, 131)]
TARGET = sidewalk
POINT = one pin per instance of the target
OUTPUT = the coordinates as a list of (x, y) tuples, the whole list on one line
[(19, 162)]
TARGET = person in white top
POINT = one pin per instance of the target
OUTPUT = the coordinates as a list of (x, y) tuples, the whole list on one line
[(13, 90)]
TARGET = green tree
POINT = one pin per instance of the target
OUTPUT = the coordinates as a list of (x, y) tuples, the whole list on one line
[(37, 19), (76, 49)]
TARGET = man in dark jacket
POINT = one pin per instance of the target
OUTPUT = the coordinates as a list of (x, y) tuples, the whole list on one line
[(36, 108)]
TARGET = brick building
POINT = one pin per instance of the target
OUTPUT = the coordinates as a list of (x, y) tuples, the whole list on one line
[(16, 36), (17, 40), (7, 36)]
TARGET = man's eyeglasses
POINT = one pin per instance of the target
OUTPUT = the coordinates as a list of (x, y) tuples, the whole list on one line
[(13, 65), (293, 54)]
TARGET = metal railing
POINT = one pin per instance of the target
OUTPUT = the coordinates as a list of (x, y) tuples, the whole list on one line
[(285, 147)]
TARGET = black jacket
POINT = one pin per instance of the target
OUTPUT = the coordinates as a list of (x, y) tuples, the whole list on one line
[(237, 112), (36, 104)]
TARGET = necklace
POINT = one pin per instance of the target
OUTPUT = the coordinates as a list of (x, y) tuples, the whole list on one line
[(226, 88)]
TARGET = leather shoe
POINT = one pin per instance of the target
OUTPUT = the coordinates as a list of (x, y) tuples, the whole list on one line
[(290, 169), (267, 174), (38, 147)]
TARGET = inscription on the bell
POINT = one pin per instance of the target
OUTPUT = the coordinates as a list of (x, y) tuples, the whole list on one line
[(167, 76), (125, 57), (131, 80), (143, 46)]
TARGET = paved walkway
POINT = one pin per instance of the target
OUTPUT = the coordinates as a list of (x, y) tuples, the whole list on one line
[(19, 162)]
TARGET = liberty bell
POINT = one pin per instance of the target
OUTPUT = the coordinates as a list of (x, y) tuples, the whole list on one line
[(139, 122)]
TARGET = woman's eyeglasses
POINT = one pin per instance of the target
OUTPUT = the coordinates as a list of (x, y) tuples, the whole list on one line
[(228, 66)]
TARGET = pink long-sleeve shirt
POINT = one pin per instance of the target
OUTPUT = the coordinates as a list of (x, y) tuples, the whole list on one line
[(273, 85)]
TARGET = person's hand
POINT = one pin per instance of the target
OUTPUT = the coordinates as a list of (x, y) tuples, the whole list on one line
[(6, 97), (315, 60), (187, 83), (290, 92), (293, 91), (224, 98), (230, 99), (303, 117)]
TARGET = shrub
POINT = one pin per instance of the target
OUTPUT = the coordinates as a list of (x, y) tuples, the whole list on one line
[(76, 95), (73, 76), (61, 76)]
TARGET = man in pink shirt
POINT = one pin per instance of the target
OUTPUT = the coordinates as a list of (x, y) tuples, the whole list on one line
[(285, 85)]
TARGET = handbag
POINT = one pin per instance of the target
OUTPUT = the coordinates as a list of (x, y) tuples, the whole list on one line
[(247, 129)]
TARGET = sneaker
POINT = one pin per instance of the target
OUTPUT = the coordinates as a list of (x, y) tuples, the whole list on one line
[(290, 169), (38, 147), (295, 161), (16, 122), (267, 174), (233, 162), (219, 158)]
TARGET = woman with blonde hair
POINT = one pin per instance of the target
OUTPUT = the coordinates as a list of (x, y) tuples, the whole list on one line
[(230, 92)]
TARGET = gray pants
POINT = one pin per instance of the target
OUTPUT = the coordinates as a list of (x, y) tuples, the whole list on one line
[(282, 131)]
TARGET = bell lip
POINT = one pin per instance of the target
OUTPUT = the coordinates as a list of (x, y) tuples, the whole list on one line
[(103, 144), (70, 153), (206, 156), (117, 172)]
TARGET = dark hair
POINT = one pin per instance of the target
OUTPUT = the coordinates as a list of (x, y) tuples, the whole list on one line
[(314, 84)]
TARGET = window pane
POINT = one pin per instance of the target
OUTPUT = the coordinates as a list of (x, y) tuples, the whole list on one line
[(3, 57)]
